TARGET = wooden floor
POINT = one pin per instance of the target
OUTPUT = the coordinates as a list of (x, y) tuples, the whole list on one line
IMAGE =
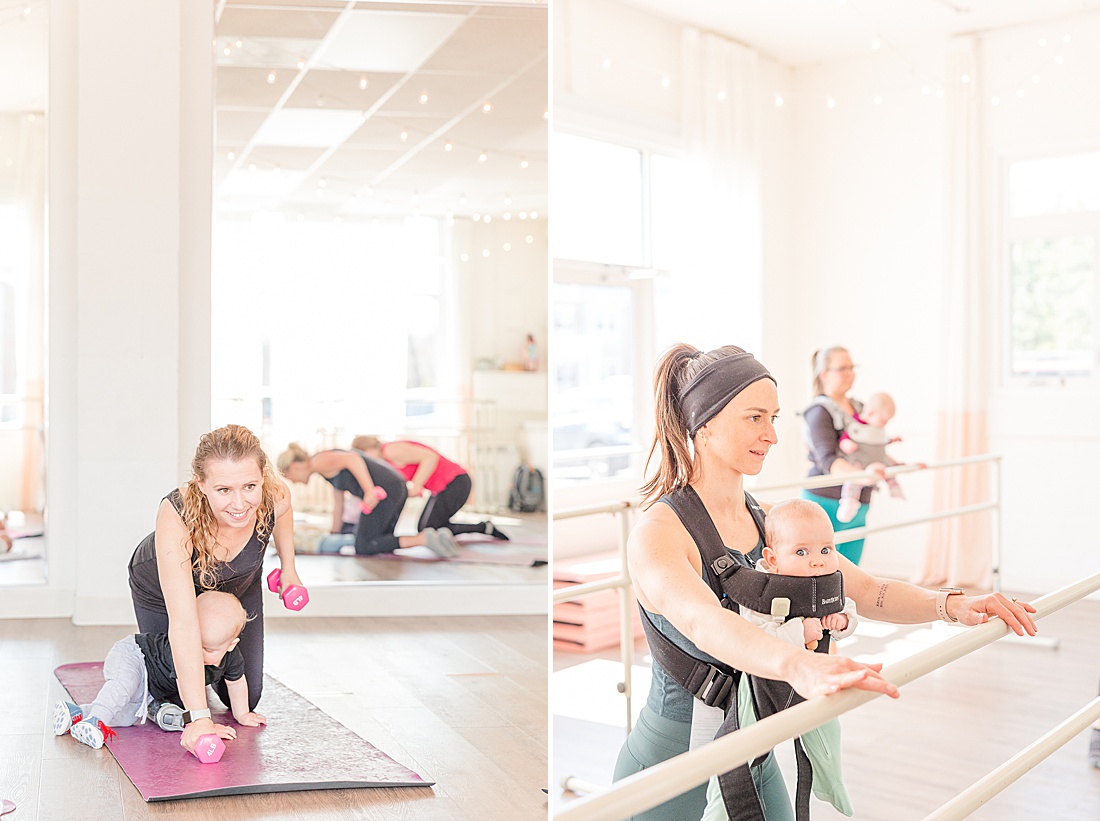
[(904, 758), (461, 700)]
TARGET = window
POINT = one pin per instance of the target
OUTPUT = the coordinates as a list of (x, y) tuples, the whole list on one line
[(297, 357), (597, 196), (1052, 229), (621, 219), (593, 421)]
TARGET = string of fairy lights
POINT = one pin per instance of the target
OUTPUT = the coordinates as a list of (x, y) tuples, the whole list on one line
[(1049, 53), (401, 129)]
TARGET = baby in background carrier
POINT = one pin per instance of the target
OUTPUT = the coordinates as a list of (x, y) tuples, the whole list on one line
[(864, 442), (140, 678)]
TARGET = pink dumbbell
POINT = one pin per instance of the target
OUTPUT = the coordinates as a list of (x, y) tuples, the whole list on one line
[(209, 748), (379, 494), (294, 597)]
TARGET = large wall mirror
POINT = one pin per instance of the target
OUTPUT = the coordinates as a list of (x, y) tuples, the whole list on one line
[(379, 255), (23, 82)]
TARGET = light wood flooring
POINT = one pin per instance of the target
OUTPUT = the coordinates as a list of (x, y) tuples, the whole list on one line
[(461, 700), (904, 758)]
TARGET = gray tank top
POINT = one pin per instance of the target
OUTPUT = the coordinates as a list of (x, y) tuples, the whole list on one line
[(666, 697)]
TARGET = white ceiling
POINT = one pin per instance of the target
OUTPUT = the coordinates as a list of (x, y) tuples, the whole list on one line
[(803, 32), (328, 109), (304, 131)]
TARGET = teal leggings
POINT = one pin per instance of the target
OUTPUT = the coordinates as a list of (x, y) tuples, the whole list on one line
[(655, 739), (852, 551)]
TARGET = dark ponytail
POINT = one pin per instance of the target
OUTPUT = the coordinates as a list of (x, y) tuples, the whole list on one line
[(676, 368)]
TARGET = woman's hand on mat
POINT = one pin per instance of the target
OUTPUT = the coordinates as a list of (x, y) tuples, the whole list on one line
[(972, 610), (203, 726), (251, 719), (817, 674)]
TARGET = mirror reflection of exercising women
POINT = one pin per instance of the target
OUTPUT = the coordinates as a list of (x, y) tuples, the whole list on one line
[(356, 473), (425, 468)]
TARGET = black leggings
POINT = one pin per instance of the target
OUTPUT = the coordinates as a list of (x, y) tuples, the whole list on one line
[(251, 644), (374, 533), (445, 504)]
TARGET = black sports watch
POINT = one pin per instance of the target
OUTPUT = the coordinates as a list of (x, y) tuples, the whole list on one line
[(194, 715)]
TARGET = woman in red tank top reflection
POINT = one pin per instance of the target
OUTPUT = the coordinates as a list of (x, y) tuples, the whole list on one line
[(426, 469)]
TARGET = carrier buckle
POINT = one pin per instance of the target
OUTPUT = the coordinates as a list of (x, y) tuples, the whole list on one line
[(715, 687), (721, 564)]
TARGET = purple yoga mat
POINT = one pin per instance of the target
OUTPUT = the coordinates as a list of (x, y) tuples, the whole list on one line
[(301, 748)]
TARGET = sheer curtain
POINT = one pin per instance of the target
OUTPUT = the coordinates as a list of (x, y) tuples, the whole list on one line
[(721, 258), (960, 549)]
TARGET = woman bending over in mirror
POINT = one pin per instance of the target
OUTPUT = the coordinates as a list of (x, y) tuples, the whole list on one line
[(427, 469), (358, 474)]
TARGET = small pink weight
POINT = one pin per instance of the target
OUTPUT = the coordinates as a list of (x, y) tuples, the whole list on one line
[(294, 597), (379, 494), (209, 748)]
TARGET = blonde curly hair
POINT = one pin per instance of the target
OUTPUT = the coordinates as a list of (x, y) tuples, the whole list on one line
[(233, 443)]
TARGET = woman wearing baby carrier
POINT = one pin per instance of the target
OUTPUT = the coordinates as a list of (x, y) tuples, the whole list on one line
[(824, 421), (715, 414)]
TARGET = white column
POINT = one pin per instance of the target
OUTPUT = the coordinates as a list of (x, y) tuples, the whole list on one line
[(130, 120)]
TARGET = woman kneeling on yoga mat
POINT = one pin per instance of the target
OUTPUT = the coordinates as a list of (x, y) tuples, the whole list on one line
[(356, 473), (211, 534), (427, 469)]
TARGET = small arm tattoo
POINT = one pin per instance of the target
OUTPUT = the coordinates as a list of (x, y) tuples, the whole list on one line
[(880, 601)]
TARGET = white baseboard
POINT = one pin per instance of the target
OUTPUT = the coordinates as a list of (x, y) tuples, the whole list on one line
[(344, 599)]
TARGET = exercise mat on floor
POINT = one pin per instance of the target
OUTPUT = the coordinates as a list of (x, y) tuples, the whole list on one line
[(301, 749), (479, 552)]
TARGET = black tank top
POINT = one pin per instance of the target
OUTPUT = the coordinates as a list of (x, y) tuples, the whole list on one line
[(381, 474), (239, 576)]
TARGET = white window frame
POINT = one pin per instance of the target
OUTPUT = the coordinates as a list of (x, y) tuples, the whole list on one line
[(640, 281), (1016, 229)]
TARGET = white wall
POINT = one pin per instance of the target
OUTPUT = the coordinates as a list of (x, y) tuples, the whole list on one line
[(861, 253), (1048, 433), (128, 356), (502, 291)]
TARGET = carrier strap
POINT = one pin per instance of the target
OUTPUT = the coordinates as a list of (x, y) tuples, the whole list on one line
[(732, 577)]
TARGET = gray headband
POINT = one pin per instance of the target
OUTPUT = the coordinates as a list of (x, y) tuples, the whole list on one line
[(715, 385)]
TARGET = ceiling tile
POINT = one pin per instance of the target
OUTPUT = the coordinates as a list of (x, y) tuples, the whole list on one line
[(340, 89), (308, 127), (387, 40), (249, 86), (490, 43), (265, 21)]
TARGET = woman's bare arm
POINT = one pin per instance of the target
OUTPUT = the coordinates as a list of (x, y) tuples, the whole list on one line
[(903, 603), (409, 453), (665, 567)]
